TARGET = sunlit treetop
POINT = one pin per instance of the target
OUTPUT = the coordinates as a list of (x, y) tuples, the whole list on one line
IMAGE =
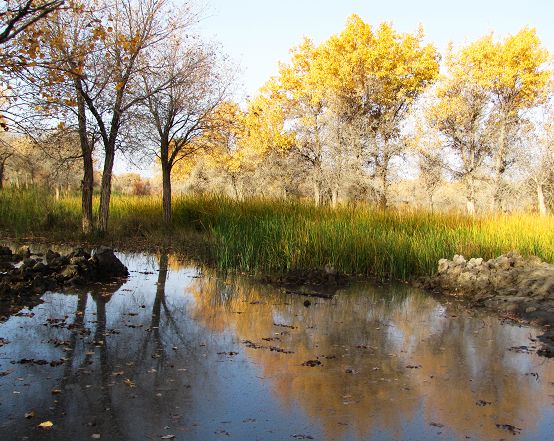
[(514, 70)]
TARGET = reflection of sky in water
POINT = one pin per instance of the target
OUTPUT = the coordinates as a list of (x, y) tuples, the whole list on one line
[(395, 364)]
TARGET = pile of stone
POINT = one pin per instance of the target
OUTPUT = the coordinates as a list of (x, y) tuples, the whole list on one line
[(23, 273), (509, 283)]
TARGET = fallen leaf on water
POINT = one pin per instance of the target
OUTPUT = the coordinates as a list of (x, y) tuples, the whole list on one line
[(46, 425), (56, 391), (512, 429), (129, 382), (168, 437), (483, 403), (30, 414), (95, 436)]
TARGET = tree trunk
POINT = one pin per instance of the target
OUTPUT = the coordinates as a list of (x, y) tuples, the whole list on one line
[(166, 193), (334, 197), (470, 188), (383, 199), (499, 168), (87, 184), (317, 193), (540, 200), (87, 188), (236, 189), (470, 207), (160, 292), (106, 188), (2, 163)]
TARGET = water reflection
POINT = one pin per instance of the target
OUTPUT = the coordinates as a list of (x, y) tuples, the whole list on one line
[(386, 357), (174, 352)]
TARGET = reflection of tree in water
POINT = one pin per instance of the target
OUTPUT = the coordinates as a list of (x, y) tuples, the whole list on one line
[(374, 338), (80, 361), (99, 364)]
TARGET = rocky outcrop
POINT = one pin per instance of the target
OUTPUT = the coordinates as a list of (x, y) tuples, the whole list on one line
[(23, 273), (511, 284)]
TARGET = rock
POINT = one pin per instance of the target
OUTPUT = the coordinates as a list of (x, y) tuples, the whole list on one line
[(51, 256), (39, 267), (6, 254), (70, 272), (23, 252), (459, 260), (443, 265), (474, 263), (80, 252), (28, 262), (78, 260), (107, 264), (509, 284)]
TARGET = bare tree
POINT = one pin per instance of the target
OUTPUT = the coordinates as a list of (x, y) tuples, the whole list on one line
[(537, 159), (178, 113), (461, 116)]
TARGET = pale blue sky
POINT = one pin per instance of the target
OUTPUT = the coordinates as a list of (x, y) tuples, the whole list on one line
[(258, 34)]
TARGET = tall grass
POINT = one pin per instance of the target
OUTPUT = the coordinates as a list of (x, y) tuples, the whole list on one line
[(270, 236)]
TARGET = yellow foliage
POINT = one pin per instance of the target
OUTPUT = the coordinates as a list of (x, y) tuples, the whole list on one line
[(382, 68), (513, 70)]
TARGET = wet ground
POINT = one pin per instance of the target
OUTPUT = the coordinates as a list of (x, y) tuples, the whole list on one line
[(176, 354)]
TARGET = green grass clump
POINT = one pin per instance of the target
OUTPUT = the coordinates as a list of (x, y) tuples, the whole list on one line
[(278, 236)]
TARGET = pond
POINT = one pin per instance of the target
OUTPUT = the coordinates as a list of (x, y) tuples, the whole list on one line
[(177, 352)]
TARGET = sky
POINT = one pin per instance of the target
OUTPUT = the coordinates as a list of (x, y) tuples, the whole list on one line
[(258, 34)]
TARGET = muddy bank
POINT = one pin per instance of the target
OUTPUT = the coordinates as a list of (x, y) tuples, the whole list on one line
[(314, 283), (512, 285), (25, 276)]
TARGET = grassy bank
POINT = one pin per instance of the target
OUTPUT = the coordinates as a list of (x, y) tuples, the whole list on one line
[(265, 236)]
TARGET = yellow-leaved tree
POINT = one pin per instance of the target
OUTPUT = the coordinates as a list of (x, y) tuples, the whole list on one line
[(514, 74), (482, 104), (299, 90), (376, 76)]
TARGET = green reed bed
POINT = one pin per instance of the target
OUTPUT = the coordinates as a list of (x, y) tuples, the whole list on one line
[(278, 236)]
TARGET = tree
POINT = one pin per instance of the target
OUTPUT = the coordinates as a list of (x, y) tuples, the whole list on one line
[(134, 28), (377, 76), (513, 73), (299, 89), (50, 161), (427, 146), (461, 114), (96, 56), (224, 148), (181, 111), (56, 82), (537, 160)]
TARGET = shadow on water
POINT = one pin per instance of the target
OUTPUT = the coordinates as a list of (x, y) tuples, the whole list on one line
[(174, 351)]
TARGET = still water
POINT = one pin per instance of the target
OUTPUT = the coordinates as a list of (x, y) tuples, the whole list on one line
[(174, 353)]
